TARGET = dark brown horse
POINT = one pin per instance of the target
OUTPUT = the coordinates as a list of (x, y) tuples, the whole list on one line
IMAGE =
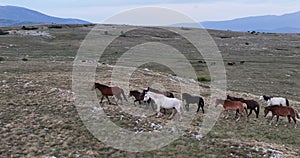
[(233, 105), (139, 97), (282, 111), (251, 104), (109, 91)]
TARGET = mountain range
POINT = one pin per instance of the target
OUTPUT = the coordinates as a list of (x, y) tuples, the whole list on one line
[(15, 16), (286, 23)]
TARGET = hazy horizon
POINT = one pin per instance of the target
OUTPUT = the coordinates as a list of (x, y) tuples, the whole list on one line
[(204, 10)]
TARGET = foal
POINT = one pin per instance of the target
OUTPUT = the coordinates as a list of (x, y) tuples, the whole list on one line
[(282, 111), (233, 105)]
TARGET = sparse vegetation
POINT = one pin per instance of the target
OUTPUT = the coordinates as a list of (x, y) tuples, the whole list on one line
[(38, 116), (203, 79)]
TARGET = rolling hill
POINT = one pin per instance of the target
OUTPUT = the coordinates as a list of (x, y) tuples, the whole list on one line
[(15, 16)]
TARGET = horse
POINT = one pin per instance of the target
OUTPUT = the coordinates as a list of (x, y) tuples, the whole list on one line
[(279, 110), (139, 97), (251, 104), (164, 102), (110, 91), (232, 105), (166, 93), (274, 100), (189, 99)]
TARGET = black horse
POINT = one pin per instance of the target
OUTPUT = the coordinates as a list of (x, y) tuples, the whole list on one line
[(251, 104), (189, 99)]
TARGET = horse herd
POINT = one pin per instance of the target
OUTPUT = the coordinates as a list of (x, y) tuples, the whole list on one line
[(278, 106)]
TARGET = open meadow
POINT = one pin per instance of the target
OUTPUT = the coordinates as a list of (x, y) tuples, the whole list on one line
[(38, 116)]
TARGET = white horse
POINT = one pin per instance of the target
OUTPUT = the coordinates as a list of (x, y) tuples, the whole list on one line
[(274, 100), (164, 102)]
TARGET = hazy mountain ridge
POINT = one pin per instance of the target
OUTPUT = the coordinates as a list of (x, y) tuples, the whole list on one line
[(287, 23), (14, 16)]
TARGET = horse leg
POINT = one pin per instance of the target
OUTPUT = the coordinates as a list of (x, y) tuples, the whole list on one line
[(289, 119), (250, 112), (271, 119), (277, 120), (171, 116), (240, 115), (158, 111), (179, 112), (294, 119), (187, 107), (101, 99), (108, 100), (236, 113)]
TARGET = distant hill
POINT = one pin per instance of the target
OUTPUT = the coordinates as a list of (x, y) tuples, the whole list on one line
[(287, 23), (14, 16)]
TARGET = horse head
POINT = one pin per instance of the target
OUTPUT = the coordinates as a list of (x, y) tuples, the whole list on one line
[(219, 101), (146, 96)]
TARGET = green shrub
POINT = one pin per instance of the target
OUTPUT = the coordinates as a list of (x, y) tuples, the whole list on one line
[(203, 79)]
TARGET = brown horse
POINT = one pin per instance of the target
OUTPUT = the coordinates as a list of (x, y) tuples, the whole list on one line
[(282, 111), (110, 91), (251, 104), (232, 105)]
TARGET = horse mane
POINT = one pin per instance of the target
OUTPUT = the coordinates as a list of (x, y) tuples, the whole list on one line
[(135, 91), (98, 84), (266, 97)]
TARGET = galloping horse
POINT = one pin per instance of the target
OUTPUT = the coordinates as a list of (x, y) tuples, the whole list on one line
[(282, 111), (139, 97), (274, 100), (109, 91), (189, 99), (232, 105), (251, 104), (164, 102), (165, 93)]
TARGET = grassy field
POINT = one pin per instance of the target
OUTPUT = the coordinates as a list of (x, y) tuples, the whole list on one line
[(38, 116)]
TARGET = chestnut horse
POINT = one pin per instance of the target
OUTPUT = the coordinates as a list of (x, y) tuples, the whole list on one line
[(251, 104), (109, 91), (233, 105), (282, 111)]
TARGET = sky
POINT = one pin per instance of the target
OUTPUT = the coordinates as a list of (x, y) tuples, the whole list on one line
[(97, 11)]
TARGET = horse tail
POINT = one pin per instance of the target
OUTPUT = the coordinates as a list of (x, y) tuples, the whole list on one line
[(258, 107), (122, 91), (287, 102), (297, 114)]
